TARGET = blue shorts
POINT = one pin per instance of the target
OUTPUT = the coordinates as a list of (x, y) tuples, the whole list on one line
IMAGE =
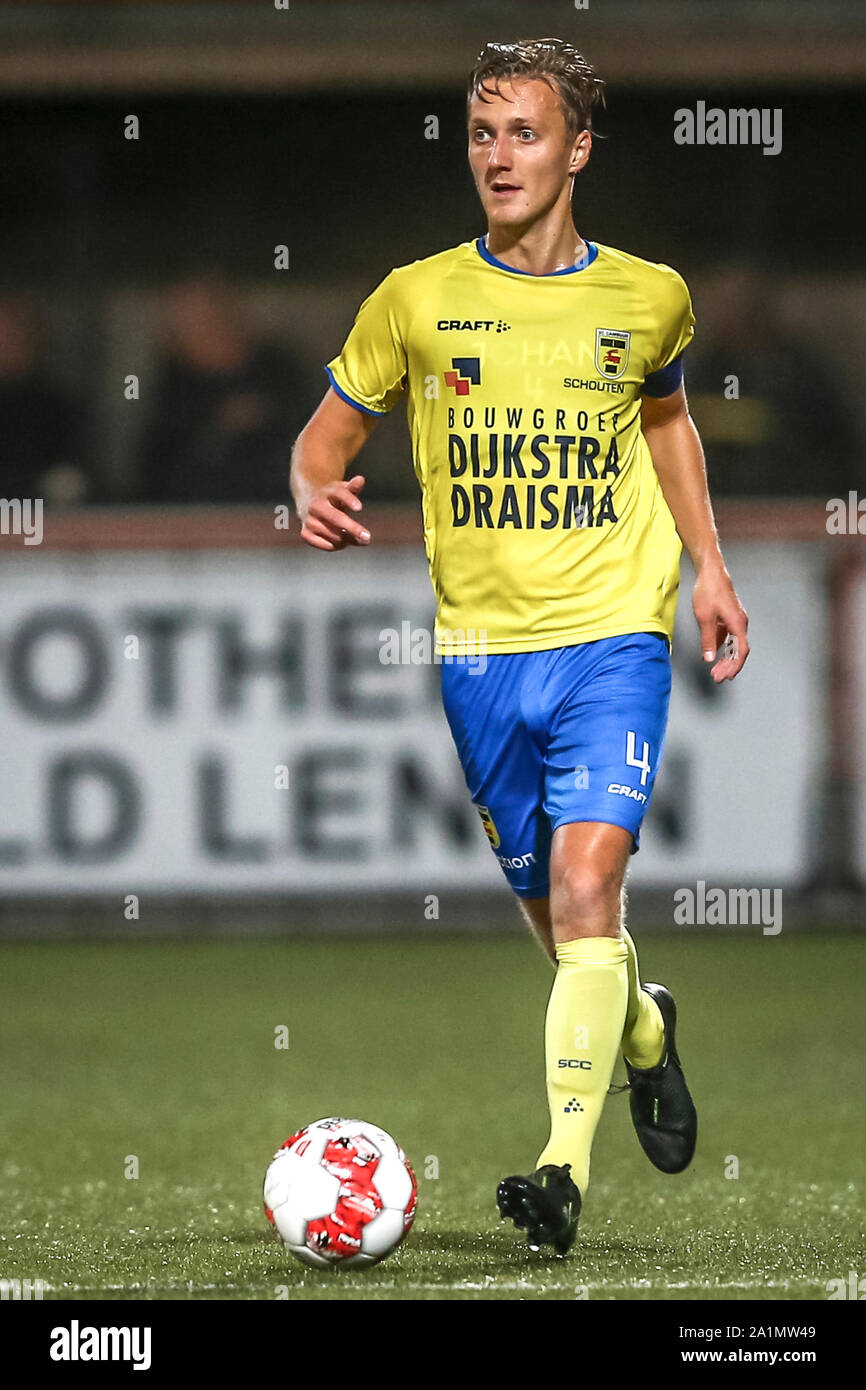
[(550, 738)]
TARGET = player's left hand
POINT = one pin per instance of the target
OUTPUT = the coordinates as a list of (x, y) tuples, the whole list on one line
[(723, 621)]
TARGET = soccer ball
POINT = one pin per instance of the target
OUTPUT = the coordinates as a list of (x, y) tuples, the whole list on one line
[(340, 1194)]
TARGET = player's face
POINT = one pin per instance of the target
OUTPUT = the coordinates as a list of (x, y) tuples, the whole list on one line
[(521, 155)]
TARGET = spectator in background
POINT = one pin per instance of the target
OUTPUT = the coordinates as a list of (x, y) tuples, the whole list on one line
[(41, 453), (226, 408), (790, 431)]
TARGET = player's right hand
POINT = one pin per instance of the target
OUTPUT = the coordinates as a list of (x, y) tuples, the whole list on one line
[(330, 523)]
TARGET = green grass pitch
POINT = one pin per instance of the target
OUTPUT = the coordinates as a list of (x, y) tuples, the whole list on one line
[(165, 1051)]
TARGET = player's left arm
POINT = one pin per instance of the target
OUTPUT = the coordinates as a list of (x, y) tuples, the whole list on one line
[(678, 459)]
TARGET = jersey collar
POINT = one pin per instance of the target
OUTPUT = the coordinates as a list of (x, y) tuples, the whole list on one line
[(592, 252)]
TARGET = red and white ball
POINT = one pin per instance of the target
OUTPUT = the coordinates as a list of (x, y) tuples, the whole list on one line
[(340, 1193)]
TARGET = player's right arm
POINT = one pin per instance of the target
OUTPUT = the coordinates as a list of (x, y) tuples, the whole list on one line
[(328, 503), (367, 378)]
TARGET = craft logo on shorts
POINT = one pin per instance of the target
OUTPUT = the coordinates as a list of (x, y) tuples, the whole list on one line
[(489, 827), (466, 372), (611, 351)]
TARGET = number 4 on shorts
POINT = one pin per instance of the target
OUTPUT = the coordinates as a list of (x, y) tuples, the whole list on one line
[(643, 763)]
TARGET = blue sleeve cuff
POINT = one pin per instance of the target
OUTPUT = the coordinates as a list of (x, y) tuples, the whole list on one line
[(665, 381), (348, 399)]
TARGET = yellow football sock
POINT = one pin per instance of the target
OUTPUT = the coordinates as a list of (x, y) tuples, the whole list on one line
[(582, 1035), (643, 1038)]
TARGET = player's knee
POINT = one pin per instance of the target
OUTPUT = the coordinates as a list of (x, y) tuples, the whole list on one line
[(584, 896)]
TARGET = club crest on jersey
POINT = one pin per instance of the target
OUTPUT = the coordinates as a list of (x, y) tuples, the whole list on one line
[(489, 827), (466, 372), (611, 352)]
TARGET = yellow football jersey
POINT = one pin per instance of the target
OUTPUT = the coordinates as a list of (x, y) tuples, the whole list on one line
[(544, 520)]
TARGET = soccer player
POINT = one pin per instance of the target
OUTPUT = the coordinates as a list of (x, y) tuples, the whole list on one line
[(560, 473)]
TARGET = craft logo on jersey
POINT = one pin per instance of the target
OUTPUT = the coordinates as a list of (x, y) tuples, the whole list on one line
[(611, 352), (466, 372), (489, 827), (472, 325)]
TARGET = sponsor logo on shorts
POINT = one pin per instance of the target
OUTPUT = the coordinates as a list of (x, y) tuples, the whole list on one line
[(520, 861), (489, 825)]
